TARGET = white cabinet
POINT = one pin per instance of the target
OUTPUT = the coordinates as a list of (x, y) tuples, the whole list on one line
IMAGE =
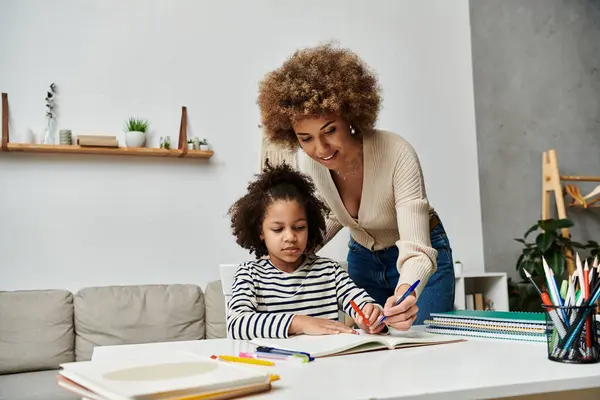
[(492, 285)]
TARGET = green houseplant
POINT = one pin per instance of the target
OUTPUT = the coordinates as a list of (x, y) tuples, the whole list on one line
[(204, 144), (555, 249), (135, 132)]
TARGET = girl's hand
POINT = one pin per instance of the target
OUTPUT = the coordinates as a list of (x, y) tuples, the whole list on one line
[(373, 313), (402, 316), (317, 326)]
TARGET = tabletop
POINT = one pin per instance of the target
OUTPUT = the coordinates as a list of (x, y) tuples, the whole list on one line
[(473, 369)]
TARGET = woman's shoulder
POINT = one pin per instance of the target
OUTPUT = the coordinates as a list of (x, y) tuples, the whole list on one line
[(391, 139), (392, 146)]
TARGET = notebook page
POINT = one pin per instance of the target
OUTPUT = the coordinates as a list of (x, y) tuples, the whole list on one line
[(396, 338), (321, 345)]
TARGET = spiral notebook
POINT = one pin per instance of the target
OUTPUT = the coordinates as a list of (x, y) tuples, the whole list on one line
[(510, 325)]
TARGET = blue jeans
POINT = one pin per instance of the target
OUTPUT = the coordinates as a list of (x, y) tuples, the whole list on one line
[(376, 272)]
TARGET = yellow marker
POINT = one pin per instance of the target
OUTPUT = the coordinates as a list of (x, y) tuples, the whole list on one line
[(247, 360)]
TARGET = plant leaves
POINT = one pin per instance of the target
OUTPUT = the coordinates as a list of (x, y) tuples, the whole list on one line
[(556, 261), (519, 260), (578, 245), (533, 228), (556, 224), (538, 268), (545, 240), (521, 241)]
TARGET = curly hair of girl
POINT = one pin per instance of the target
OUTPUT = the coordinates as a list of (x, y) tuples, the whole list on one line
[(279, 182)]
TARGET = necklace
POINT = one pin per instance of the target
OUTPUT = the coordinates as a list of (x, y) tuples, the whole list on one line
[(354, 164)]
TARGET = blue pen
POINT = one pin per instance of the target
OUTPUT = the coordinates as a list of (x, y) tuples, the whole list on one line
[(273, 350), (401, 299)]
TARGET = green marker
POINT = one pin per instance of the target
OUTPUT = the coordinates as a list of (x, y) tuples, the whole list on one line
[(564, 287)]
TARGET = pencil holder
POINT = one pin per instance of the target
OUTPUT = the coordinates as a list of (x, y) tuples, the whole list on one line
[(572, 334)]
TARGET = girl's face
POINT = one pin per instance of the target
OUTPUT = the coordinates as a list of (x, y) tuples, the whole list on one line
[(285, 232), (327, 140)]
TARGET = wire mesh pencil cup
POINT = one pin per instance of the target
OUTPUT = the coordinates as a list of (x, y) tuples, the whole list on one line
[(572, 334)]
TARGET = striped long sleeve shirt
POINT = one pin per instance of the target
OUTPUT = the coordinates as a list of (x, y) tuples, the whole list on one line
[(265, 300)]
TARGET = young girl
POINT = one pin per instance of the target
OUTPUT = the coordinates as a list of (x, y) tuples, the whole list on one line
[(288, 290)]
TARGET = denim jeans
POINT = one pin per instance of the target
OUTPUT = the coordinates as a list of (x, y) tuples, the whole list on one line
[(376, 272)]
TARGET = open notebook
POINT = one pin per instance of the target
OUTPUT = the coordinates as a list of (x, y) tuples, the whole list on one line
[(179, 375), (347, 343)]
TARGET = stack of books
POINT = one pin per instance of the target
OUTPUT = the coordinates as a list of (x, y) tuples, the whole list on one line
[(510, 325), (177, 375)]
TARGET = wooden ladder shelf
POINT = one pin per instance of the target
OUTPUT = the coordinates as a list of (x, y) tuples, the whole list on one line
[(552, 185)]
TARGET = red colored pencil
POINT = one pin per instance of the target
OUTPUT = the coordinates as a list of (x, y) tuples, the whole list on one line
[(359, 312)]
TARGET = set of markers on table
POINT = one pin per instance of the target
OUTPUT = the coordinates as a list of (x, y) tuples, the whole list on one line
[(571, 329), (267, 356)]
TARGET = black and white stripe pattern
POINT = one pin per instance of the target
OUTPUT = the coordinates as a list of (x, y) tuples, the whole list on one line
[(264, 299)]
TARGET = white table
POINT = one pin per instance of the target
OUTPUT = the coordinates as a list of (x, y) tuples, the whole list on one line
[(475, 369)]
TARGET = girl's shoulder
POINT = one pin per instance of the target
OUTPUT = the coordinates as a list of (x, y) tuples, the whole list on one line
[(314, 261), (254, 265)]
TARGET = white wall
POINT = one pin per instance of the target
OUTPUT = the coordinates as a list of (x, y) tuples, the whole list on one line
[(73, 221)]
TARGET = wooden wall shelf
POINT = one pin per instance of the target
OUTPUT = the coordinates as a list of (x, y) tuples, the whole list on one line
[(126, 151), (181, 152)]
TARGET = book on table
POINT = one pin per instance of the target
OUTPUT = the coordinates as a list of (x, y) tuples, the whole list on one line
[(178, 375), (511, 325), (348, 343)]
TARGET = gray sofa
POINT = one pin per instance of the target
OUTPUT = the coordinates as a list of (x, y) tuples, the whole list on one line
[(39, 329)]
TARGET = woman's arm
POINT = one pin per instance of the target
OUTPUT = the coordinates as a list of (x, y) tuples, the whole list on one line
[(244, 321), (417, 259)]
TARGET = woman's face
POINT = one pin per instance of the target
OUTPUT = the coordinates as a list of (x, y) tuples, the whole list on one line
[(327, 140)]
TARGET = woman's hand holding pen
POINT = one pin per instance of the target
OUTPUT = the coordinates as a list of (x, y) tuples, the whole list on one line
[(401, 316)]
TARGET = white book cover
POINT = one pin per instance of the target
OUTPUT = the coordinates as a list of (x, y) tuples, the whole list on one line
[(172, 376), (346, 343)]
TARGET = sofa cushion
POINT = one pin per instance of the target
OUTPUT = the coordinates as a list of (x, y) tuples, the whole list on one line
[(36, 330), (114, 315), (39, 385), (215, 311)]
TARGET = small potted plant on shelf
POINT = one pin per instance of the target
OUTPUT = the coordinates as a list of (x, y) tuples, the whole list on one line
[(165, 142), (135, 132), (204, 145)]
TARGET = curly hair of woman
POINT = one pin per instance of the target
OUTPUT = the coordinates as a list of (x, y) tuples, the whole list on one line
[(280, 182), (314, 81)]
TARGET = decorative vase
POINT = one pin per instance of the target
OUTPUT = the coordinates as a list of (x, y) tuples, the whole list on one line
[(48, 134), (135, 139), (204, 147)]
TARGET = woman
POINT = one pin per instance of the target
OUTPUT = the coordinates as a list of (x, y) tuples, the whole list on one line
[(326, 101)]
